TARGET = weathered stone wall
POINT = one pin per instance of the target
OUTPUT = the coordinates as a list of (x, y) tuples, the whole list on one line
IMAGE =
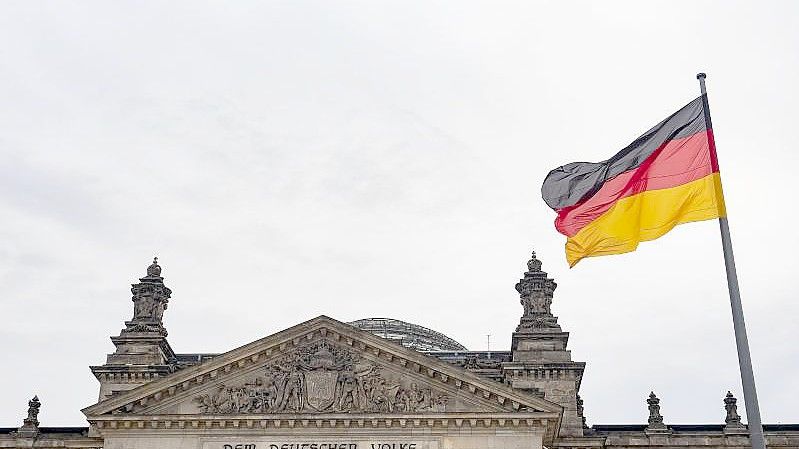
[(558, 387)]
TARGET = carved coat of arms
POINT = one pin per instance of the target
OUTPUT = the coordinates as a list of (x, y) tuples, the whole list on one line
[(321, 375)]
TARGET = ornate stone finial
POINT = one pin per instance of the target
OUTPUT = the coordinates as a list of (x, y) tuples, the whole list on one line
[(154, 270), (30, 425), (33, 410), (733, 419), (150, 299), (536, 291), (655, 418)]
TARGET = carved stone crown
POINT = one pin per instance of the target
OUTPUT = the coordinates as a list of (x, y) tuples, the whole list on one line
[(534, 264), (154, 270)]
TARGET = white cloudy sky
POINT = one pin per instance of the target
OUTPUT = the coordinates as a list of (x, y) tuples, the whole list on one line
[(291, 159)]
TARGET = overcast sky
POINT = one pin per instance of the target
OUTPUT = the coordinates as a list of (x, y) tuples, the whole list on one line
[(360, 159)]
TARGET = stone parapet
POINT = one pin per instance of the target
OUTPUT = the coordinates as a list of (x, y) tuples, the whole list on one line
[(545, 346), (51, 438), (692, 436)]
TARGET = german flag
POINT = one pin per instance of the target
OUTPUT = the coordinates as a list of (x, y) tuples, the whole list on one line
[(667, 176)]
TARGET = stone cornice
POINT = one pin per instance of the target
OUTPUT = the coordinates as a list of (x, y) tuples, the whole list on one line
[(566, 365), (544, 370), (584, 442), (549, 370)]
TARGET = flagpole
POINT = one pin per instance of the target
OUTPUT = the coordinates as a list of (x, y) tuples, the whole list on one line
[(741, 341)]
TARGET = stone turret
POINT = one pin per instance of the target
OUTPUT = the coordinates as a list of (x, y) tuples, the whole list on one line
[(142, 351), (540, 361), (150, 299)]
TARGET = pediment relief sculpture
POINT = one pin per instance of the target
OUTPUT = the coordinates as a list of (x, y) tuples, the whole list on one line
[(322, 378)]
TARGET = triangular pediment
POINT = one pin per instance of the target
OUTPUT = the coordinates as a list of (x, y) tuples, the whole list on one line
[(319, 367)]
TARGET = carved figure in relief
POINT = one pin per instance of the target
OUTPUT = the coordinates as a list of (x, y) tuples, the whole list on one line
[(141, 307), (294, 397), (348, 391), (239, 399), (321, 378), (157, 312), (378, 393), (272, 392), (402, 403), (147, 308), (440, 404), (539, 303), (420, 399), (212, 403)]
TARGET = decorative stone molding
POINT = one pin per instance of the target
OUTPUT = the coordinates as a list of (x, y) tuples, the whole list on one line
[(474, 363), (338, 421)]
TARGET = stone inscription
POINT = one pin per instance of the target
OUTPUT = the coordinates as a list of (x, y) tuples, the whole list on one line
[(322, 378), (320, 445)]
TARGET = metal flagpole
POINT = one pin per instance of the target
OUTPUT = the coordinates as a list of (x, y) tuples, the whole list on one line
[(741, 341)]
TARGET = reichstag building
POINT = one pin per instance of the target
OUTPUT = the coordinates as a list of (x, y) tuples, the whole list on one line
[(375, 383)]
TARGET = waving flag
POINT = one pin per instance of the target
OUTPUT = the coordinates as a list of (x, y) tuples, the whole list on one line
[(665, 177)]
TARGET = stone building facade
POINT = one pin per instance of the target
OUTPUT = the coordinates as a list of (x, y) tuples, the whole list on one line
[(375, 383)]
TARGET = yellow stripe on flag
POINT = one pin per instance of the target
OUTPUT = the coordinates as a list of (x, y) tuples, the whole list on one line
[(647, 216)]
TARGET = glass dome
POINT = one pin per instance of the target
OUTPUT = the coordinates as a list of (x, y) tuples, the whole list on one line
[(409, 335)]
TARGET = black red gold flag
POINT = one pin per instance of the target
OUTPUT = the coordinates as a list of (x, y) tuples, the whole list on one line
[(667, 176)]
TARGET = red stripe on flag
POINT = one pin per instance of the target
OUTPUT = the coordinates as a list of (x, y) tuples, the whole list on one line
[(675, 163)]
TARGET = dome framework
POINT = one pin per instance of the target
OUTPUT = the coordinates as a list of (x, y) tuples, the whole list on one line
[(409, 335)]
